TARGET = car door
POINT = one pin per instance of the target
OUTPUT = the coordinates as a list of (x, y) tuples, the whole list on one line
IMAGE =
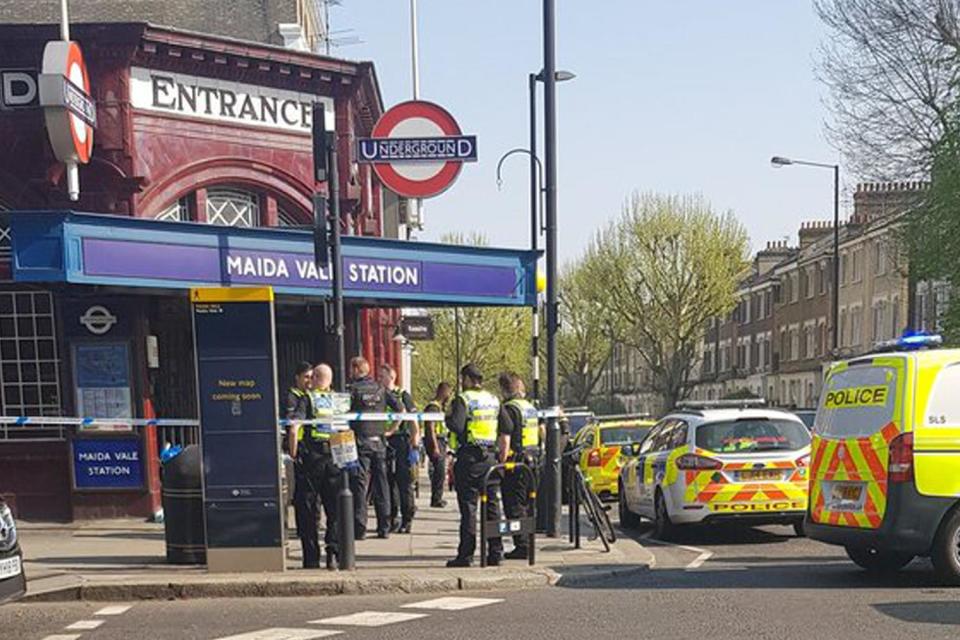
[(644, 468)]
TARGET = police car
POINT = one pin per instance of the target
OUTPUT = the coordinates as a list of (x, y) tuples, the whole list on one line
[(885, 475), (13, 583), (705, 463)]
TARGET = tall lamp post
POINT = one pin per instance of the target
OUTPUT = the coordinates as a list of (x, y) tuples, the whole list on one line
[(780, 161), (536, 205)]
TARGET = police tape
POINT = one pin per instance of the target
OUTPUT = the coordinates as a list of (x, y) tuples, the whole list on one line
[(20, 421)]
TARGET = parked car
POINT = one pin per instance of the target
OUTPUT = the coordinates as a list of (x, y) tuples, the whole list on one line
[(13, 582), (600, 456)]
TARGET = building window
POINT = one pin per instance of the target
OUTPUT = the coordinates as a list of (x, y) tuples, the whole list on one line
[(29, 365), (843, 328), (795, 287), (856, 325), (895, 320), (6, 239), (880, 258), (794, 344), (179, 211), (878, 333), (287, 219), (232, 207), (844, 266), (857, 266)]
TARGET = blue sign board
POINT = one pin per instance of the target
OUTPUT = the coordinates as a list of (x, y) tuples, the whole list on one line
[(440, 149), (132, 252), (107, 463)]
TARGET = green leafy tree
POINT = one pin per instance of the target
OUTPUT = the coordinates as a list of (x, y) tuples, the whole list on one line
[(664, 268), (495, 339), (583, 342), (931, 232)]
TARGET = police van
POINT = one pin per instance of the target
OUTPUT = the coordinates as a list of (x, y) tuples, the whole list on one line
[(885, 458)]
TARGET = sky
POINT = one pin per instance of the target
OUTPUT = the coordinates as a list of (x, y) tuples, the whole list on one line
[(676, 97)]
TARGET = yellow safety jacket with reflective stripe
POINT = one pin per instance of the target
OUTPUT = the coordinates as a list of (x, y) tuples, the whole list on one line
[(439, 426), (483, 408), (322, 408), (531, 423)]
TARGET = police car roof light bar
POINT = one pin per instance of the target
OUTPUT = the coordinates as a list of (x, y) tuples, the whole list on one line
[(745, 403), (911, 342)]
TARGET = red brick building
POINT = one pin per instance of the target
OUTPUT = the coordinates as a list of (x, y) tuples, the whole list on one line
[(192, 128)]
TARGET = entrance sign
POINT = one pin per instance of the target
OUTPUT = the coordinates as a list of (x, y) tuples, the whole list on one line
[(107, 463), (417, 149), (69, 111), (236, 379)]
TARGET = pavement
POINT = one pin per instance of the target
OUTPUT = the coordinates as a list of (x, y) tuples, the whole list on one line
[(121, 560), (714, 582)]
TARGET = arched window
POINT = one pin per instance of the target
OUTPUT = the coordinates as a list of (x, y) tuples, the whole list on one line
[(286, 219), (179, 211), (232, 207), (6, 240)]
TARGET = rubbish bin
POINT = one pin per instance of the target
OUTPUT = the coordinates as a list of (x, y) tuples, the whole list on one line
[(182, 494)]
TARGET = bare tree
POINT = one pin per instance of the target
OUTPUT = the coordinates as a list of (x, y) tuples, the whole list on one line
[(893, 69)]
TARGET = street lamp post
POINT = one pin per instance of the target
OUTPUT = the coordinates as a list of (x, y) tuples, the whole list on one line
[(778, 162), (550, 185)]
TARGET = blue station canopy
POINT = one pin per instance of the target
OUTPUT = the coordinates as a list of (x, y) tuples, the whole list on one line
[(82, 248)]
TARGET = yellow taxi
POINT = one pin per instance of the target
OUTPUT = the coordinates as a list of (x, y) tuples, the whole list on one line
[(600, 445), (885, 468)]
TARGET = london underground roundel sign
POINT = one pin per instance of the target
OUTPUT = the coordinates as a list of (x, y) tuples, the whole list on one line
[(69, 111), (417, 149)]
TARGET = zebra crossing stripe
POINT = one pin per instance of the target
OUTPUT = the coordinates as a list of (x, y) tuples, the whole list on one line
[(114, 610), (84, 625), (280, 633), (370, 618), (452, 603)]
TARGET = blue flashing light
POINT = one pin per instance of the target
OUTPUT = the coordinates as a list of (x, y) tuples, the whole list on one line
[(912, 342)]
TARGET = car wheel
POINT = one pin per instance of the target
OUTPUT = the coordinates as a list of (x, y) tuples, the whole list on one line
[(628, 519), (876, 561), (946, 550), (663, 528)]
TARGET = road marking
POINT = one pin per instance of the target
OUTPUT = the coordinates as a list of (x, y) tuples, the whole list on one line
[(371, 618), (452, 603), (84, 625), (279, 633), (702, 554), (63, 636), (114, 610)]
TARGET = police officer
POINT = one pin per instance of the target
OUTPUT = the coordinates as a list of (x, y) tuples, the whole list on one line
[(519, 417), (368, 396), (300, 407), (435, 435), (473, 422), (403, 438)]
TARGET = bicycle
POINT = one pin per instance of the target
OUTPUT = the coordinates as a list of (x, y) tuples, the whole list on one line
[(583, 496)]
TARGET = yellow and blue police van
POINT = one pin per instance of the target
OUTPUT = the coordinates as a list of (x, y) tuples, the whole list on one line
[(885, 457)]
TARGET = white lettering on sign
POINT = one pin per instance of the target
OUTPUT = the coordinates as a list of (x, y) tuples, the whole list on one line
[(211, 99), (383, 274)]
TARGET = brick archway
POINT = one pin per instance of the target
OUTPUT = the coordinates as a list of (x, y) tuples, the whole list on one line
[(234, 171)]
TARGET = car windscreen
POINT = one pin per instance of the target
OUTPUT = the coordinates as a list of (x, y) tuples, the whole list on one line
[(622, 435), (857, 402), (752, 435)]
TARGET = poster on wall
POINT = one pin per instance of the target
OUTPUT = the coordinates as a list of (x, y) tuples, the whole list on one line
[(102, 374)]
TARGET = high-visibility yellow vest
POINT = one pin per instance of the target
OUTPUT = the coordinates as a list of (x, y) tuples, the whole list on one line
[(531, 423), (439, 426), (323, 407), (483, 408)]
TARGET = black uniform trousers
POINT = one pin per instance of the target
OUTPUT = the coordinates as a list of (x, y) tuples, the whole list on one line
[(469, 470), (516, 493), (371, 476), (400, 478), (318, 482), (438, 473)]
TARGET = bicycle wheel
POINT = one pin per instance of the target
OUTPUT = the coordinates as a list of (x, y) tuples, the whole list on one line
[(590, 509), (604, 518)]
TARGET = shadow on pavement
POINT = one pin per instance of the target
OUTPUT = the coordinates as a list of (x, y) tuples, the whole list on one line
[(87, 561), (772, 576), (931, 612)]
